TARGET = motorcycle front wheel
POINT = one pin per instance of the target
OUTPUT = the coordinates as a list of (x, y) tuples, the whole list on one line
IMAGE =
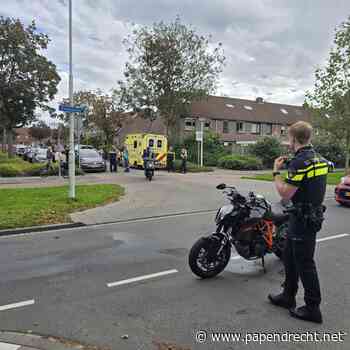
[(200, 264)]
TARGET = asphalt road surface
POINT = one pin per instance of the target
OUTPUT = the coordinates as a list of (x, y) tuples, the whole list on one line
[(128, 286)]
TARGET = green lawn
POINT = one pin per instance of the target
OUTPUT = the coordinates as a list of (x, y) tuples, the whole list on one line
[(332, 178), (25, 207)]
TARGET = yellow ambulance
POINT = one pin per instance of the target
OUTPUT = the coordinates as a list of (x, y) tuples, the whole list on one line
[(137, 143)]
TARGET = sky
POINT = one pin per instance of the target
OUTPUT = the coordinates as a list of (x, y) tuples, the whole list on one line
[(272, 47)]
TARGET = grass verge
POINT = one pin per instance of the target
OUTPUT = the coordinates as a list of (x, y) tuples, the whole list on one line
[(332, 178), (26, 207)]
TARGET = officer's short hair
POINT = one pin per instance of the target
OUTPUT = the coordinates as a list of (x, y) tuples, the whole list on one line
[(301, 131)]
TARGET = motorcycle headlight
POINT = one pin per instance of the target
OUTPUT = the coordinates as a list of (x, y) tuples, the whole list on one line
[(223, 211)]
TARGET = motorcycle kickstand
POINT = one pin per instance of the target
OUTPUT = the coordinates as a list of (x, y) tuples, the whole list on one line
[(263, 263)]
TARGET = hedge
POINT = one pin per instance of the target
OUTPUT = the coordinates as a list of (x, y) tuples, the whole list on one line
[(192, 168), (239, 162)]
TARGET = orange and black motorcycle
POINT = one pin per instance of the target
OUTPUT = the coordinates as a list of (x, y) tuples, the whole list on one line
[(248, 224)]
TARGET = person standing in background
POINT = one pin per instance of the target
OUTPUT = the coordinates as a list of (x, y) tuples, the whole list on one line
[(170, 160), (113, 160), (184, 156), (126, 160)]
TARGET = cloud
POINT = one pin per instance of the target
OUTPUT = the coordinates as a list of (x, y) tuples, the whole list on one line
[(272, 48)]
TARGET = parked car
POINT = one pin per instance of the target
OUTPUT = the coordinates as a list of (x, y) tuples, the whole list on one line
[(40, 155), (30, 154), (342, 191), (91, 160), (83, 147), (20, 150)]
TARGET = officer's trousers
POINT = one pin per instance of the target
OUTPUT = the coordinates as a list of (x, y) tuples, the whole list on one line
[(299, 264)]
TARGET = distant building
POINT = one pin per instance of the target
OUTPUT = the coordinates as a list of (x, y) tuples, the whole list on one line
[(236, 121)]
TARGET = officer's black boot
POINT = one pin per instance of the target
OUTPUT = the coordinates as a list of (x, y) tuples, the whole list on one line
[(307, 313), (282, 300)]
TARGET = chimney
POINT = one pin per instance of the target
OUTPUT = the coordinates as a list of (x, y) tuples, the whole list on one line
[(259, 100)]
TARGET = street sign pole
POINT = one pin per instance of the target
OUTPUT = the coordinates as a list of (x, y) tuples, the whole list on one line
[(71, 115), (202, 121)]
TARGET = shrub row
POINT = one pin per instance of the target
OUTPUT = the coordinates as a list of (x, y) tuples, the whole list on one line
[(238, 162)]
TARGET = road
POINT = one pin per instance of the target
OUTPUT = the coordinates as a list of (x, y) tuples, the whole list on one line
[(76, 283)]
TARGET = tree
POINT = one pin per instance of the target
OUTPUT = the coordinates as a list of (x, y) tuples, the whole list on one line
[(267, 149), (213, 149), (28, 80), (102, 114), (329, 102), (40, 131), (169, 67)]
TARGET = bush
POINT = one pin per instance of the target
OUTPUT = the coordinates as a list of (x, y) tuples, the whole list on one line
[(191, 167), (267, 149), (212, 149), (238, 162)]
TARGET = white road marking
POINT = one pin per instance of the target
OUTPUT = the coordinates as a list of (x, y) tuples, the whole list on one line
[(332, 237), (6, 346), (16, 305), (141, 278), (236, 257)]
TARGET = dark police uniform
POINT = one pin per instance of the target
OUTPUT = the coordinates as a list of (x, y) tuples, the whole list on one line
[(307, 171)]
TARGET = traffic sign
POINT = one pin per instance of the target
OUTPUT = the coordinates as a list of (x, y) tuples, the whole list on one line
[(71, 109), (199, 136)]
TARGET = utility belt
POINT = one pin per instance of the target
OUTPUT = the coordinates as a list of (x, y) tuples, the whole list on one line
[(310, 215)]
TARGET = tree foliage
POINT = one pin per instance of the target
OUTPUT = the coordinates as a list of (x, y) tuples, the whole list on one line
[(267, 149), (329, 102), (103, 114), (28, 80), (169, 66)]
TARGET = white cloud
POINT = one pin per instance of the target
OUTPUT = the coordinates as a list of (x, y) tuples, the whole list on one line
[(272, 48)]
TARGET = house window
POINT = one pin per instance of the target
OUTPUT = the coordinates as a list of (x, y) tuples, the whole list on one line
[(248, 128), (190, 124), (266, 129), (159, 144), (225, 127), (207, 125)]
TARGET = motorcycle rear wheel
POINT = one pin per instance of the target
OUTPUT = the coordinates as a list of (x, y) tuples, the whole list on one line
[(197, 259)]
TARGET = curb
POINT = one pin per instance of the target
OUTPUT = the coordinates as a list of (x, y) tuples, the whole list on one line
[(42, 342), (17, 231)]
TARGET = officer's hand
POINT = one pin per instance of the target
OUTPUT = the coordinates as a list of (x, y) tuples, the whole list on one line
[(279, 163)]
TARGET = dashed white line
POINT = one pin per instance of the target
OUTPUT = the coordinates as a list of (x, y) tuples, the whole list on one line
[(17, 305), (141, 278), (236, 257), (332, 237)]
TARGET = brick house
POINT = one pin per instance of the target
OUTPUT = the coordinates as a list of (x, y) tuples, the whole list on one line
[(236, 121)]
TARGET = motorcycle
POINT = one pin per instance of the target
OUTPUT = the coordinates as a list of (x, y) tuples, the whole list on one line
[(149, 169), (247, 224)]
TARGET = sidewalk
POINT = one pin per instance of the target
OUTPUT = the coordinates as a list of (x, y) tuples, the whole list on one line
[(27, 341)]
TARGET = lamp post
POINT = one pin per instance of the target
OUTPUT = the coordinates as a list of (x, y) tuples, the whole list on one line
[(202, 121), (71, 116)]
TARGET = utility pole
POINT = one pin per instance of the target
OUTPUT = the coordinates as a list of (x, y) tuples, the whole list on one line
[(71, 115), (202, 121)]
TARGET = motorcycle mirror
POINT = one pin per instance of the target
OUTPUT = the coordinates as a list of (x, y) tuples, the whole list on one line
[(221, 186)]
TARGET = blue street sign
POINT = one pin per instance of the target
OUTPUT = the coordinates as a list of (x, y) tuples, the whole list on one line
[(70, 109)]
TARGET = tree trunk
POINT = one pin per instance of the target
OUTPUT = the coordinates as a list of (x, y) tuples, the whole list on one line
[(4, 140), (10, 134)]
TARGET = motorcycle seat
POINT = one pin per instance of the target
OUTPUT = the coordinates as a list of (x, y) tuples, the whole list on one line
[(279, 218)]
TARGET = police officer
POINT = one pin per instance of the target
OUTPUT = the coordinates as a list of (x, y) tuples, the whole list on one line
[(305, 186)]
